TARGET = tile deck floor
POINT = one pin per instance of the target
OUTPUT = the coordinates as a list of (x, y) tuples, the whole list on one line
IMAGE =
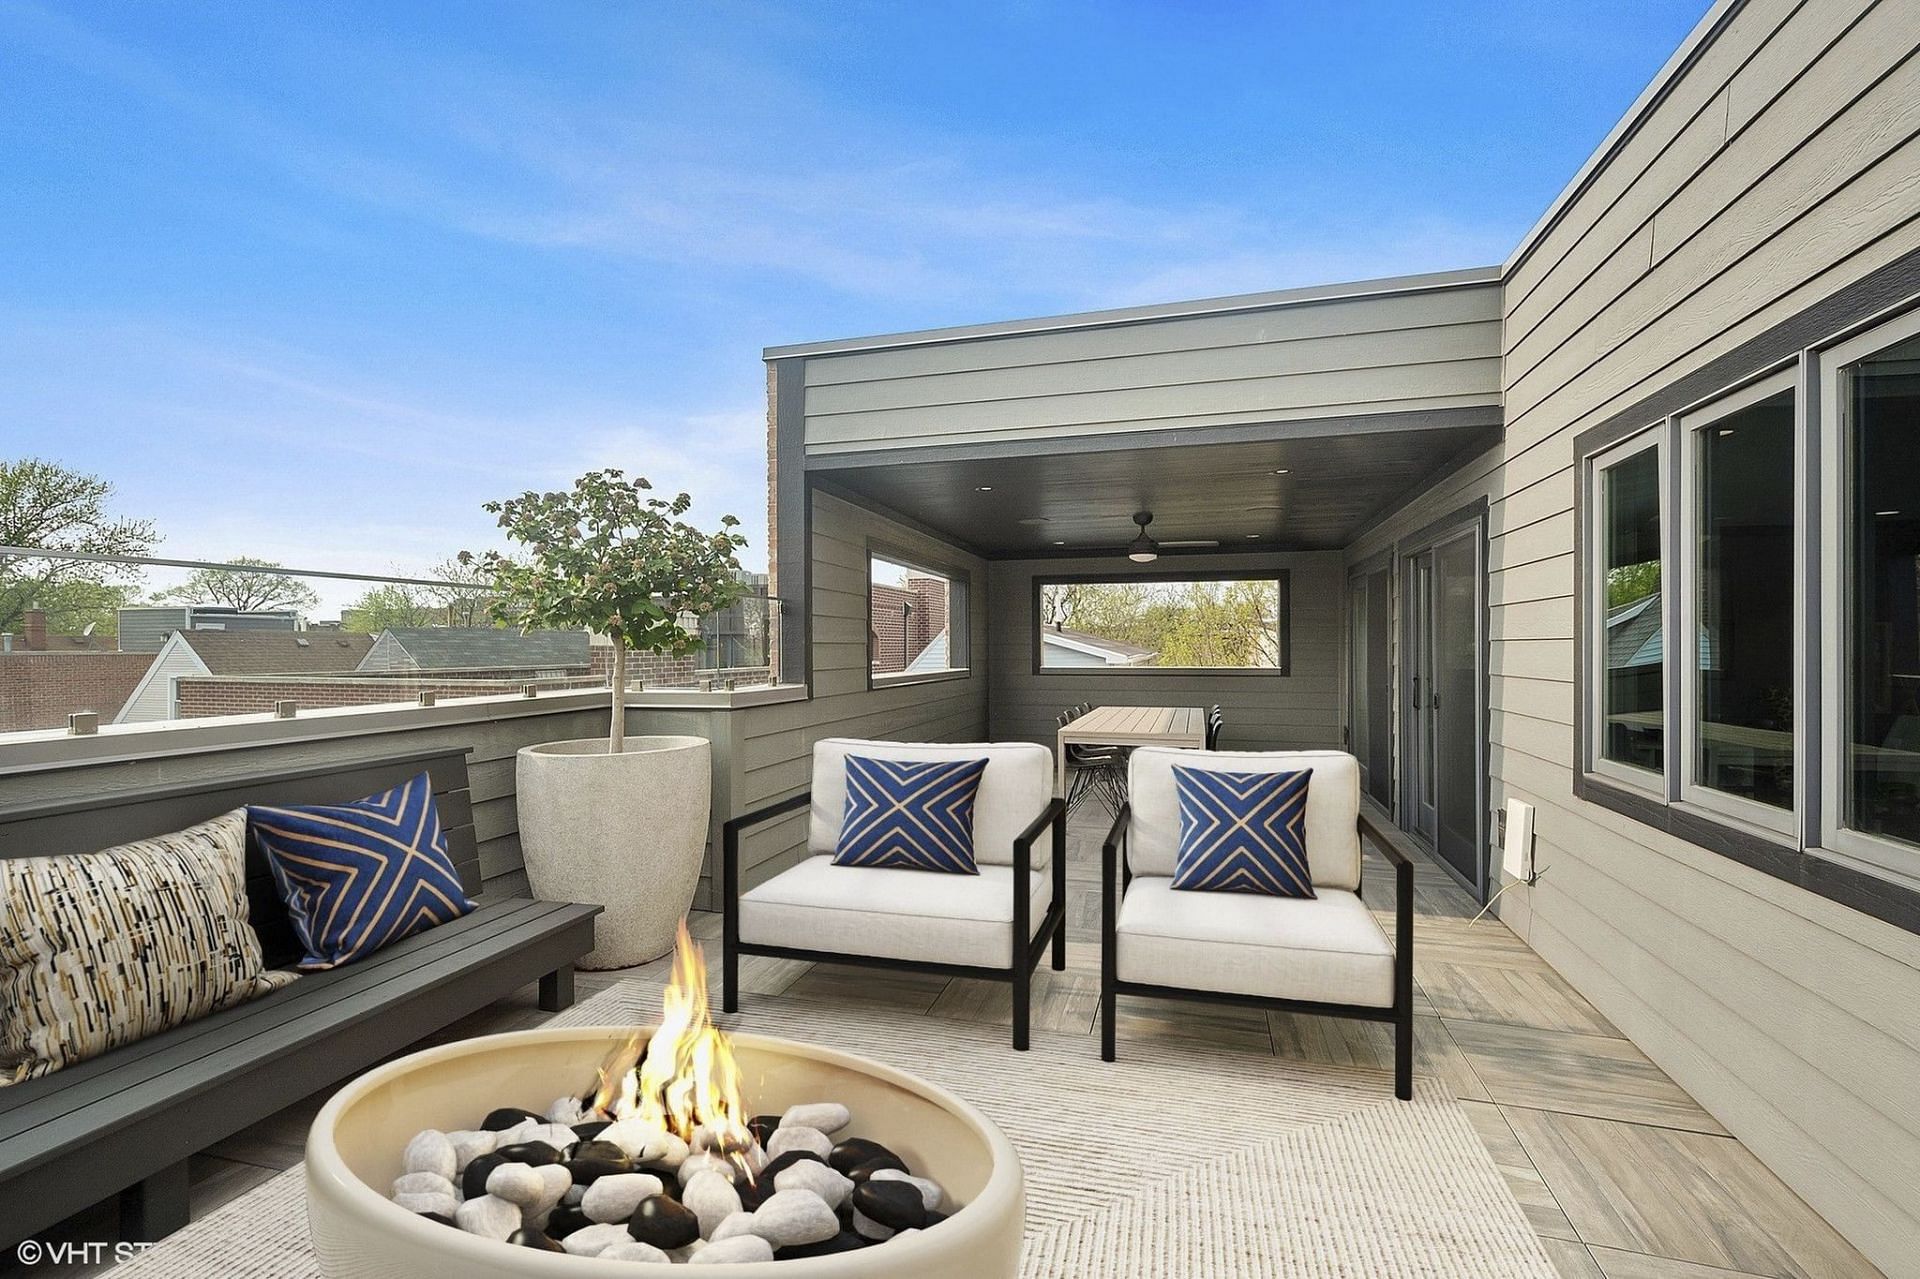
[(1621, 1174)]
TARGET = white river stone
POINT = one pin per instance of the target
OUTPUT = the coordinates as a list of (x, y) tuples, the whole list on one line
[(634, 1250), (867, 1228), (631, 1135), (566, 1110), (795, 1217), (423, 1183), (827, 1116), (518, 1184), (739, 1248), (428, 1201), (834, 1187), (930, 1192), (555, 1181), (614, 1198), (591, 1241), (489, 1216), (808, 1139), (693, 1165), (522, 1131), (559, 1136), (430, 1151), (470, 1143), (738, 1223), (710, 1197)]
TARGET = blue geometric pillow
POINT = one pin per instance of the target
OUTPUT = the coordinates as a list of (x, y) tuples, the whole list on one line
[(1243, 832), (915, 816), (358, 876)]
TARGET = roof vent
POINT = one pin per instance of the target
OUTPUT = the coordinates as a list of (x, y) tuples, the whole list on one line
[(302, 642)]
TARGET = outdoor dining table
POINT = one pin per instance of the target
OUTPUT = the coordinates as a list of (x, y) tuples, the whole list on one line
[(1130, 726)]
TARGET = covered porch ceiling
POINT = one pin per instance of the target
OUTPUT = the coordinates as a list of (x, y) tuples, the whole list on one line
[(1285, 490)]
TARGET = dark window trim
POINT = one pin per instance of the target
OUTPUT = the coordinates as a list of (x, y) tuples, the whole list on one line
[(1873, 300), (959, 633), (1283, 576)]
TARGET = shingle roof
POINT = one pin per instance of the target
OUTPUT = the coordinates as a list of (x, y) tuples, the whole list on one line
[(441, 648), (277, 652), (1121, 647)]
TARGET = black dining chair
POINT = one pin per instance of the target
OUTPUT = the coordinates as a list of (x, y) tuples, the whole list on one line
[(1214, 722)]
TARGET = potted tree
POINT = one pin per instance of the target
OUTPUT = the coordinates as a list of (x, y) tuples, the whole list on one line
[(618, 821)]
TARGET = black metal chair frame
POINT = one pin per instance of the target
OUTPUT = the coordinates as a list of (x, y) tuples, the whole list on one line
[(1026, 946), (1114, 879)]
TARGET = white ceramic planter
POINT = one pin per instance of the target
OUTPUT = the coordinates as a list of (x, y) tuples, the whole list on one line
[(354, 1152), (624, 831)]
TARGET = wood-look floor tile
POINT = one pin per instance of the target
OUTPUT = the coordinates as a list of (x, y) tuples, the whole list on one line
[(1615, 1264), (1516, 995), (1684, 1195), (1522, 1178), (217, 1182), (1064, 1002), (1337, 1041), (1571, 1260), (1219, 1025), (873, 987), (1578, 1074)]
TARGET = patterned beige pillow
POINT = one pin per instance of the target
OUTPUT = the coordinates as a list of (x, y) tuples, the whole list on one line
[(102, 949)]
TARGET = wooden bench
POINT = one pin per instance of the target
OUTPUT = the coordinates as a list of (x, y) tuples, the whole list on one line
[(126, 1123)]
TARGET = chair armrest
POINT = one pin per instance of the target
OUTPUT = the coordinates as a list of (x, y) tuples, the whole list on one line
[(1402, 910), (730, 841), (1112, 852), (1053, 814)]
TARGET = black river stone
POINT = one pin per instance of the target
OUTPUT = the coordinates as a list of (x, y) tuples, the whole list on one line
[(893, 1204), (440, 1217), (566, 1219), (534, 1154), (763, 1127), (857, 1151), (591, 1129), (473, 1181), (866, 1170), (527, 1237), (845, 1241), (785, 1160), (663, 1223), (507, 1116), (591, 1160)]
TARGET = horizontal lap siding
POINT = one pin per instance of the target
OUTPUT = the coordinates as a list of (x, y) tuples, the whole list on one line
[(1780, 168), (1262, 712), (772, 746), (1422, 350)]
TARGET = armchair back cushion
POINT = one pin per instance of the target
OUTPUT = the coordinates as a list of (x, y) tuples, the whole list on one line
[(1333, 806), (1016, 785)]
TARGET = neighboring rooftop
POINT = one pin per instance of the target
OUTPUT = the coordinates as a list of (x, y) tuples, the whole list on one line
[(277, 652), (450, 648)]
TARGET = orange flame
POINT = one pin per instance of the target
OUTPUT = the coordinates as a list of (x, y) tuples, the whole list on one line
[(685, 1077)]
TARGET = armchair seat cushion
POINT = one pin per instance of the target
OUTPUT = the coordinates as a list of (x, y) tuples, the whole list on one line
[(890, 913), (1326, 949)]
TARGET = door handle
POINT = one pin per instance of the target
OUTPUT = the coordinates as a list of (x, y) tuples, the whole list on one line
[(1416, 692)]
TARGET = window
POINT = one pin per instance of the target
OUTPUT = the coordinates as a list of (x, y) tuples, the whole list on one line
[(1738, 613), (1629, 654), (1162, 621), (1872, 776), (1787, 653), (916, 621)]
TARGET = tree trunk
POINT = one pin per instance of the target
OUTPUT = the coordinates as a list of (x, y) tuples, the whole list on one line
[(617, 741)]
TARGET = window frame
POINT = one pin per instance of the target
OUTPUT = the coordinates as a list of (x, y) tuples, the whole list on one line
[(1877, 854), (1283, 577), (1685, 538), (959, 618), (1594, 579)]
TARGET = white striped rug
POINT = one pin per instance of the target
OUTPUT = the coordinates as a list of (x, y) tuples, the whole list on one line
[(1177, 1160)]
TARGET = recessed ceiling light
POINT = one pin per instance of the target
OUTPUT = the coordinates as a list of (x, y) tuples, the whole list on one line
[(1252, 536), (1725, 431), (1283, 471), (1883, 514), (983, 488), (1060, 543)]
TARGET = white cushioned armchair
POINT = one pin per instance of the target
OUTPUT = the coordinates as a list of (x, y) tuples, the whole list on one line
[(1324, 954), (993, 925)]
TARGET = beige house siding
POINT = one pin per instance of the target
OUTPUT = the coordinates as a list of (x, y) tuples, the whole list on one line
[(1779, 168), (1417, 344)]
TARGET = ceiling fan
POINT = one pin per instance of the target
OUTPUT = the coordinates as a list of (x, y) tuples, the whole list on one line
[(1144, 550)]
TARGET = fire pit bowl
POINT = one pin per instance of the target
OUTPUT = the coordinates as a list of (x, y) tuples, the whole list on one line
[(354, 1152)]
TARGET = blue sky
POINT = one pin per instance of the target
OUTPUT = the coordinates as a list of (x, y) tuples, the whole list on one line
[(313, 281)]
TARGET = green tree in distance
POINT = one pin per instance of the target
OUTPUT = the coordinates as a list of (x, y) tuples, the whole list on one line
[(1632, 582), (49, 507), (607, 557), (243, 589), (461, 599), (1229, 623)]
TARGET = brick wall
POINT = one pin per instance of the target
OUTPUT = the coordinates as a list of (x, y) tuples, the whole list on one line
[(904, 620), (39, 690), (655, 670)]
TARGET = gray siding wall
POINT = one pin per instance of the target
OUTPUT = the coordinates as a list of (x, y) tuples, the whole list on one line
[(772, 746), (1263, 711), (1781, 166), (1432, 349)]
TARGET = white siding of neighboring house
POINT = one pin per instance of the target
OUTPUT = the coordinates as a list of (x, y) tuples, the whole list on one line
[(152, 699), (387, 654)]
